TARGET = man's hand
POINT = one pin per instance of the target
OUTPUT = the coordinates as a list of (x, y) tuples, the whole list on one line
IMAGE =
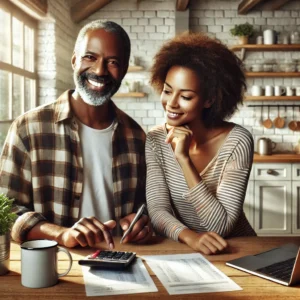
[(141, 231), (87, 232)]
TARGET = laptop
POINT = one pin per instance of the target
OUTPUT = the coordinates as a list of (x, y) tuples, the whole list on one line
[(281, 265)]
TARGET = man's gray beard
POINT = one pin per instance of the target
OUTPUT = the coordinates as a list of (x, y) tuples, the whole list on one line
[(92, 97)]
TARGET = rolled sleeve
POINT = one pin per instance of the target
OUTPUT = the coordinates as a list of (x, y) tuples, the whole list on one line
[(24, 224)]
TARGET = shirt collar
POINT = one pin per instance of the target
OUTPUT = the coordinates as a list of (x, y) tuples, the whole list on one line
[(63, 108)]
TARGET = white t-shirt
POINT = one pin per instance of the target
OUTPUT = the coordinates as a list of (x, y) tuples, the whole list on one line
[(97, 195)]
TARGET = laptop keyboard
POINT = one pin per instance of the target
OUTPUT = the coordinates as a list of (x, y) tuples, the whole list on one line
[(281, 270)]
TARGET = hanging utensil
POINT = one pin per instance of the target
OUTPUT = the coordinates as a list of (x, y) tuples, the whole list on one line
[(279, 122), (268, 122), (293, 124)]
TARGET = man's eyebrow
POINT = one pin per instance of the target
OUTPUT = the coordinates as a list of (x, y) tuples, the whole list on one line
[(183, 90), (90, 52), (96, 54)]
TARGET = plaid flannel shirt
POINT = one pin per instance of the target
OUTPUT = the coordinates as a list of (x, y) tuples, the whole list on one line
[(41, 166)]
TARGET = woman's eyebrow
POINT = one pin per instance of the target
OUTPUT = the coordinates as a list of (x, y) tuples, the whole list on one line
[(183, 90)]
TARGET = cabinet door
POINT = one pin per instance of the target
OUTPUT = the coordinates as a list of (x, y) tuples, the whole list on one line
[(273, 207), (249, 202), (296, 207)]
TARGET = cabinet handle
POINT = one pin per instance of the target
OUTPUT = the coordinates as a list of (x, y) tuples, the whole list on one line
[(270, 172)]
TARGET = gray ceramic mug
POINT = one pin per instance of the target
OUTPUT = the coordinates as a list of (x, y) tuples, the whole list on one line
[(39, 263)]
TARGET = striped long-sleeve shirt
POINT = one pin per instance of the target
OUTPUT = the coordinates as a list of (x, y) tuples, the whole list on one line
[(215, 203)]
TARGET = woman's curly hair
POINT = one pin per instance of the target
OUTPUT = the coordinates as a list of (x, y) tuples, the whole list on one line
[(220, 71)]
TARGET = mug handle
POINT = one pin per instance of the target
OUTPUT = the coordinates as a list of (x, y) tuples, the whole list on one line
[(61, 249), (273, 145)]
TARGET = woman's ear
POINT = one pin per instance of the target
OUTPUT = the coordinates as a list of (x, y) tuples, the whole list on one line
[(209, 103)]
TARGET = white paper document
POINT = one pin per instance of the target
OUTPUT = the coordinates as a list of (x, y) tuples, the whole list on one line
[(135, 279), (189, 274)]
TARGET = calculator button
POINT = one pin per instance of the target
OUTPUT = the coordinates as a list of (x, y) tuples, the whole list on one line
[(102, 254), (126, 255), (118, 255), (109, 255)]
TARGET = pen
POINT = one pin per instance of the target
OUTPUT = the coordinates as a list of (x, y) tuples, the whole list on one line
[(136, 218)]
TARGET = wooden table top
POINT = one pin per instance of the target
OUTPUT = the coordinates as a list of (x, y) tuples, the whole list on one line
[(72, 285)]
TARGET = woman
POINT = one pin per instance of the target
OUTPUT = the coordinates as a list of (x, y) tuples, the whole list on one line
[(198, 164)]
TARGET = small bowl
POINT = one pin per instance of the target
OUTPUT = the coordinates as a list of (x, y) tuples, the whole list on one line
[(268, 68), (257, 68)]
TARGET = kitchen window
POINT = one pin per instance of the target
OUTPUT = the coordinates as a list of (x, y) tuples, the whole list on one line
[(18, 74)]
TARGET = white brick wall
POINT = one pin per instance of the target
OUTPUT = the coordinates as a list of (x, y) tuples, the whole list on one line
[(56, 38), (149, 23)]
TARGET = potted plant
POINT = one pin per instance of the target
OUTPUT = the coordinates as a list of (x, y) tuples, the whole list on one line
[(243, 32), (7, 218)]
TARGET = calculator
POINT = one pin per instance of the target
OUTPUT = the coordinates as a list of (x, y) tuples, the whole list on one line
[(108, 259)]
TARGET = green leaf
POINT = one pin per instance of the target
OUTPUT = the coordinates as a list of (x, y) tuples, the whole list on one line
[(242, 30), (7, 217)]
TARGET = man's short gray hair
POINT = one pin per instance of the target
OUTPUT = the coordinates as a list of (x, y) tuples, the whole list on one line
[(108, 26)]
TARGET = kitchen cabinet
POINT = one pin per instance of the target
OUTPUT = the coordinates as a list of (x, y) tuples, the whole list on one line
[(272, 203)]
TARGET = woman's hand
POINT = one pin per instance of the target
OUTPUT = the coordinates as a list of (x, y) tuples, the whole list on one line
[(180, 137), (205, 242)]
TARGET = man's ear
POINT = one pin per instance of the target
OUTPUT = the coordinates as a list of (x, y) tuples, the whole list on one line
[(73, 60), (125, 70)]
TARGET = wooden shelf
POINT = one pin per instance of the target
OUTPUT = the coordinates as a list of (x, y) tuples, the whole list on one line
[(277, 158), (272, 98), (256, 47), (272, 74), (135, 68), (275, 47), (132, 94)]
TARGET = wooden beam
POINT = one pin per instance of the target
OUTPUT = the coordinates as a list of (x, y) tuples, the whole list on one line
[(35, 8), (273, 5), (181, 5), (85, 8), (246, 5)]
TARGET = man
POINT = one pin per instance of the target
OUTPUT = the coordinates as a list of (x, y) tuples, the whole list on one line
[(79, 156)]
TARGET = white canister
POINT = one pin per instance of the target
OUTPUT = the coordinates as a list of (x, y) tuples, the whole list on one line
[(256, 90), (298, 91), (269, 37), (269, 90)]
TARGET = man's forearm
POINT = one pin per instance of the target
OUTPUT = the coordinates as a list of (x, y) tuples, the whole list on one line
[(45, 230)]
